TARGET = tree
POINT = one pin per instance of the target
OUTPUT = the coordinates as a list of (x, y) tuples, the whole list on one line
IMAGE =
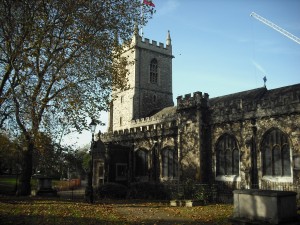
[(9, 154), (76, 162), (46, 156), (60, 59)]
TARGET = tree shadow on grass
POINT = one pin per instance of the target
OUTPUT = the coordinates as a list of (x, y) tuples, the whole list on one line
[(53, 220)]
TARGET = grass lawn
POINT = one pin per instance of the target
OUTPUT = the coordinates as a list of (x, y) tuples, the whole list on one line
[(33, 210), (8, 180), (7, 184)]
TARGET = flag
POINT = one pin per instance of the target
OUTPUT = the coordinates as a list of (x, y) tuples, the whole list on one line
[(148, 2)]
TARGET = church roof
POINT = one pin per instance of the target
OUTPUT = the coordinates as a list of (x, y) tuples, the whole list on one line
[(255, 94), (252, 97), (283, 91), (237, 104), (249, 95), (168, 111)]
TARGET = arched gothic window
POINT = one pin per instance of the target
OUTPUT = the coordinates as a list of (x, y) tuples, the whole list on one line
[(141, 163), (275, 151), (153, 71), (169, 163), (227, 153)]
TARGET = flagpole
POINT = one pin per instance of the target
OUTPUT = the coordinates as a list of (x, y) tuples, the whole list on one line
[(148, 3), (142, 14)]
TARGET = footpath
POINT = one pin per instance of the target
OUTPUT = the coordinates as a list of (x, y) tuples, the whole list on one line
[(135, 212), (151, 213)]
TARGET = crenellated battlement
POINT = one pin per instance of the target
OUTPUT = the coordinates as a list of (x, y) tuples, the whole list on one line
[(148, 44), (195, 100), (156, 129), (164, 121), (154, 43), (152, 120)]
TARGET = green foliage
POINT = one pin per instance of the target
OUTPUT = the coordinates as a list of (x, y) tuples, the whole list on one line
[(46, 155), (147, 190), (189, 190), (8, 185), (8, 180), (205, 193), (112, 191), (10, 154), (86, 162), (73, 163)]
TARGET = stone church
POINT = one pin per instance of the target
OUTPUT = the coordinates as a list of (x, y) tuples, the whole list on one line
[(249, 139)]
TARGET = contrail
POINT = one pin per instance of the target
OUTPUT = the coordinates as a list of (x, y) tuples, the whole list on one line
[(259, 67)]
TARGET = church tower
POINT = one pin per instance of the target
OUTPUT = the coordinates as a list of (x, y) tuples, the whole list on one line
[(150, 83)]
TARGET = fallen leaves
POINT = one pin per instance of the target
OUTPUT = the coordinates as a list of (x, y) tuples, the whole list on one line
[(55, 211)]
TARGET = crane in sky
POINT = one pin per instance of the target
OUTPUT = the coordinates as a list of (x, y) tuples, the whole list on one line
[(275, 27)]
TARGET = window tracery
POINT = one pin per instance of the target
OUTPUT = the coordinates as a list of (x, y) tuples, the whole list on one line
[(169, 163), (275, 151), (227, 156)]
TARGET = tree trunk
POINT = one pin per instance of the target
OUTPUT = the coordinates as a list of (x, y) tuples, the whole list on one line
[(24, 188)]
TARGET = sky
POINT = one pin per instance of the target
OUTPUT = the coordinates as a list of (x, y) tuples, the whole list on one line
[(220, 49)]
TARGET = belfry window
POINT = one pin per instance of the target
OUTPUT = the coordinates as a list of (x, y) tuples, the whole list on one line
[(227, 156), (153, 71), (275, 151), (169, 163)]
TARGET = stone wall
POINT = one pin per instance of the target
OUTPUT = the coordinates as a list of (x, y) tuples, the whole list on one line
[(194, 127), (248, 121), (192, 124)]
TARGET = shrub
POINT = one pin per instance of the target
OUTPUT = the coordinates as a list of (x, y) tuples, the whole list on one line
[(112, 190), (147, 190), (189, 190)]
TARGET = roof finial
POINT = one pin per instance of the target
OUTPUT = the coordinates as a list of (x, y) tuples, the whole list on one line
[(168, 41), (265, 81)]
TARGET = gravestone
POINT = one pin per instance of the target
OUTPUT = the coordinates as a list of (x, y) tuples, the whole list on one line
[(264, 207), (45, 186)]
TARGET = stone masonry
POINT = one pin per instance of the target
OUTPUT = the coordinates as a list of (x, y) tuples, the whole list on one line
[(244, 140)]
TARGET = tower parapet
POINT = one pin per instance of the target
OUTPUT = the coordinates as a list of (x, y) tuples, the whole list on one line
[(151, 45), (188, 101), (150, 81)]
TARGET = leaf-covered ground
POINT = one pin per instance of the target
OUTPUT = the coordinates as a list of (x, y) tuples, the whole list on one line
[(35, 211), (159, 213)]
